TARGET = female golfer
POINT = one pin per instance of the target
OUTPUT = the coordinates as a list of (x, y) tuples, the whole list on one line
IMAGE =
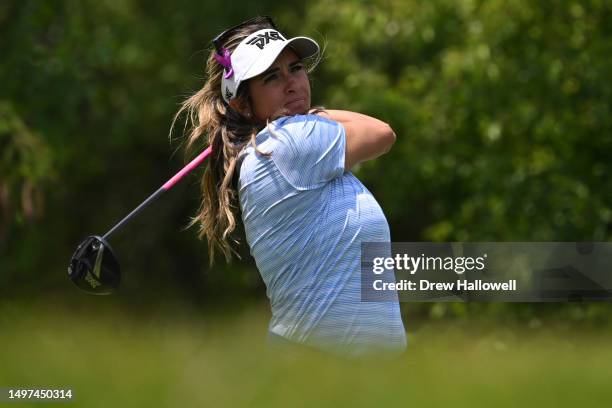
[(288, 170)]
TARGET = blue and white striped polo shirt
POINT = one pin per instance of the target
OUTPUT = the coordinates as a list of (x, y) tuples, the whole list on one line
[(305, 219)]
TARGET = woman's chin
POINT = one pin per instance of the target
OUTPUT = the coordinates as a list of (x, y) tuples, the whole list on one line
[(302, 110), (290, 111)]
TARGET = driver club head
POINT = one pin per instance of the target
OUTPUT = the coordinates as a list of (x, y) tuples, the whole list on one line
[(94, 267)]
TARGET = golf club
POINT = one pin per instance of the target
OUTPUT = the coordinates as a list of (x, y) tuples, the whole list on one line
[(94, 267)]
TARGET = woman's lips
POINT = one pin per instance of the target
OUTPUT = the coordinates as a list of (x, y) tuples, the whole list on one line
[(296, 104)]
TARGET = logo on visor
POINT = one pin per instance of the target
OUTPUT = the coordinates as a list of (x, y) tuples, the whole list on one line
[(261, 40), (228, 93)]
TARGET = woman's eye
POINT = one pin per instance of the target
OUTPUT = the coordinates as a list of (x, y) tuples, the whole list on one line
[(297, 67), (270, 78)]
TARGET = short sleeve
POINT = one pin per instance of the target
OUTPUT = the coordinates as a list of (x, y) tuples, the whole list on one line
[(310, 150)]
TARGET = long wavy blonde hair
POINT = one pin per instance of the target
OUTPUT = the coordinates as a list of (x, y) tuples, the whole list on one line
[(211, 121)]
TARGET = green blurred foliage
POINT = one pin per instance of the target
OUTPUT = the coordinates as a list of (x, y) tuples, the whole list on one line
[(502, 111), (24, 166)]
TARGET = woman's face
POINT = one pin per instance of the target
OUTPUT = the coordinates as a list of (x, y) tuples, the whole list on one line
[(282, 90)]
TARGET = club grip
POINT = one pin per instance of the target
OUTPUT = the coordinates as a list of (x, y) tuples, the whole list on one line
[(192, 165)]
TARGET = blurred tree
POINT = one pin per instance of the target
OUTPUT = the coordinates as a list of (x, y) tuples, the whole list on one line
[(100, 82), (24, 167), (502, 110)]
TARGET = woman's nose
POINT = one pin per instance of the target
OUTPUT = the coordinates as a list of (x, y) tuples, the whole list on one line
[(290, 83)]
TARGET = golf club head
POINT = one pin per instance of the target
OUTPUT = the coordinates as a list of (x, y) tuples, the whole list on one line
[(94, 267)]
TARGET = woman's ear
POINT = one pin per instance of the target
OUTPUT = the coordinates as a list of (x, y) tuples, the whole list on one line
[(241, 106)]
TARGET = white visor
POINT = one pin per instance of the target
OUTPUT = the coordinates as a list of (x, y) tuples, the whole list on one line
[(257, 52)]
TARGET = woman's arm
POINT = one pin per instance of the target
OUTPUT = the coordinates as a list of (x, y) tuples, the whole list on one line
[(366, 137)]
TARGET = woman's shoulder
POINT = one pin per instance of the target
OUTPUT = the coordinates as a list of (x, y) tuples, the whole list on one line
[(287, 128), (287, 132), (306, 150)]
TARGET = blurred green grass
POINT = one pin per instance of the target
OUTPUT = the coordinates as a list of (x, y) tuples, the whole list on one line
[(179, 357)]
